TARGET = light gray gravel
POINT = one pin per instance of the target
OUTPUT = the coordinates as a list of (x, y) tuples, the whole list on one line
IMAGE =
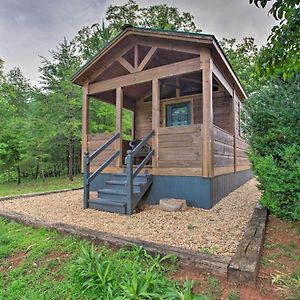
[(218, 230)]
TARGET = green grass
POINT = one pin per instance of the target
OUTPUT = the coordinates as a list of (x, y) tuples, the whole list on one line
[(42, 264), (38, 185)]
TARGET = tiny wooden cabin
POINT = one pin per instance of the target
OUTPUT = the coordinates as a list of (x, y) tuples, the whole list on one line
[(185, 101)]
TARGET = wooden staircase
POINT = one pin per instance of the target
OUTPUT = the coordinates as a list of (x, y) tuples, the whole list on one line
[(123, 193), (114, 197)]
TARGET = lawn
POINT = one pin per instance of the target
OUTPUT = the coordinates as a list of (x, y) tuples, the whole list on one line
[(38, 185), (42, 264)]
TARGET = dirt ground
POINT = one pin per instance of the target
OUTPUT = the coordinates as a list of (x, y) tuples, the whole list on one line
[(281, 255), (217, 231)]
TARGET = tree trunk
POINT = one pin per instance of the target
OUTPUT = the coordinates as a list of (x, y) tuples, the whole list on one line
[(37, 171), (19, 174), (70, 161), (42, 171)]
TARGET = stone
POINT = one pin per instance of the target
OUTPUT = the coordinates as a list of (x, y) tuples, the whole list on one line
[(173, 204)]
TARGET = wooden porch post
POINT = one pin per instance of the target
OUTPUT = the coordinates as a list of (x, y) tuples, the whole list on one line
[(85, 122), (233, 103), (207, 128), (155, 118), (119, 118)]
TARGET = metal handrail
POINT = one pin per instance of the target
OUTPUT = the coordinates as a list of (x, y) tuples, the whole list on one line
[(87, 160), (129, 168)]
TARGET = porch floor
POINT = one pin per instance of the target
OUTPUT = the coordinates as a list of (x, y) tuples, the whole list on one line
[(217, 231)]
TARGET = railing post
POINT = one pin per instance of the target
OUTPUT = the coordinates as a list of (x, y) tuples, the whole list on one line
[(86, 175), (129, 183)]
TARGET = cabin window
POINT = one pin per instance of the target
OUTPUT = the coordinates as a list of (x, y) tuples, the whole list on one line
[(178, 114)]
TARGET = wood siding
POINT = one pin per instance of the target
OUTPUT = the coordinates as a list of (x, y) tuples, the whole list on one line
[(94, 142), (179, 147), (224, 152), (223, 149), (221, 110)]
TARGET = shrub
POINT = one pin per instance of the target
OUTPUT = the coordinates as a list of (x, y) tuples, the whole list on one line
[(272, 118)]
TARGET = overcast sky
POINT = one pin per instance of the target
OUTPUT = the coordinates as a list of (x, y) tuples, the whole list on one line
[(29, 28)]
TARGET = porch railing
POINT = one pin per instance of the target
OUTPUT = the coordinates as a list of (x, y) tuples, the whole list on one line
[(88, 178), (130, 173)]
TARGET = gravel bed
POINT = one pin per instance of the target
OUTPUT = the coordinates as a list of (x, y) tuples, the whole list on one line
[(217, 231)]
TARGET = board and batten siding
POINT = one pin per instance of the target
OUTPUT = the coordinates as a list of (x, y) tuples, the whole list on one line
[(179, 147)]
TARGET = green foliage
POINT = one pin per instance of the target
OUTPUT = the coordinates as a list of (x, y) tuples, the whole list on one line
[(242, 57), (42, 264), (233, 296), (29, 185), (155, 16), (281, 54), (128, 274), (273, 126), (288, 285)]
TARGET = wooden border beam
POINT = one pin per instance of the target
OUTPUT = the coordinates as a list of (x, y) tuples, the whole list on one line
[(147, 58), (125, 64), (186, 66)]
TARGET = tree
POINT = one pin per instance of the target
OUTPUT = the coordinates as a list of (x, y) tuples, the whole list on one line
[(90, 40), (242, 57), (155, 16), (280, 57), (16, 94), (273, 126), (63, 98)]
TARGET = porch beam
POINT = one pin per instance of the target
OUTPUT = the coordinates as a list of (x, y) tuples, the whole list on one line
[(119, 122), (147, 58), (221, 78), (136, 57), (85, 122), (186, 66), (207, 127), (168, 46), (155, 119), (111, 60), (124, 63)]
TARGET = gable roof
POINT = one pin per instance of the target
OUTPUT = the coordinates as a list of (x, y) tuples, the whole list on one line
[(209, 39)]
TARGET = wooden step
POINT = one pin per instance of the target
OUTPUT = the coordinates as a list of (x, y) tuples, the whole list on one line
[(108, 205)]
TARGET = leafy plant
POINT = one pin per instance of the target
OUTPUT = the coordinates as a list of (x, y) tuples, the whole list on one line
[(272, 127), (287, 284), (184, 294)]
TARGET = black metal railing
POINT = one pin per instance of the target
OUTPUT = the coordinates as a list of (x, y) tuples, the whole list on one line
[(88, 178), (130, 174)]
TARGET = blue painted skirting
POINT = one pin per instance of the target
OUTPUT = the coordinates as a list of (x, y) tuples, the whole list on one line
[(198, 191)]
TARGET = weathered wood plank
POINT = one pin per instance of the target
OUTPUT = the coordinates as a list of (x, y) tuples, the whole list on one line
[(244, 264), (214, 264)]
